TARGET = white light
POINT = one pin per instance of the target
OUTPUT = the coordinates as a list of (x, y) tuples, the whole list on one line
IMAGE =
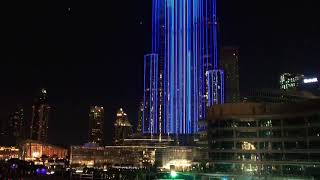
[(310, 80), (79, 171), (180, 163), (35, 154)]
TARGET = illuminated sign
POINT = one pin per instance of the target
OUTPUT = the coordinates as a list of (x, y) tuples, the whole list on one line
[(310, 80)]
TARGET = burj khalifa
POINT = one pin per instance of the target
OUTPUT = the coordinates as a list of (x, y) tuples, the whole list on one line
[(181, 73)]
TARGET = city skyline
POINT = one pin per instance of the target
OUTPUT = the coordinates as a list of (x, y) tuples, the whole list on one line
[(72, 88)]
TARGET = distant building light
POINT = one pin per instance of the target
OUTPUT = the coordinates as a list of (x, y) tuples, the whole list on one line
[(310, 80)]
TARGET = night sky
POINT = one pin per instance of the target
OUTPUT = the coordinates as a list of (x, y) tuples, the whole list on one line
[(92, 53)]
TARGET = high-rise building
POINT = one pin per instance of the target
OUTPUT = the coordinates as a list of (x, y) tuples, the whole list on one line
[(298, 82), (15, 124), (140, 119), (215, 87), (290, 81), (184, 49), (123, 127), (40, 117), (12, 129), (229, 62), (96, 122)]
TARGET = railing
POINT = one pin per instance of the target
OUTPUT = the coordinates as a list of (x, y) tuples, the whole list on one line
[(87, 176), (81, 176)]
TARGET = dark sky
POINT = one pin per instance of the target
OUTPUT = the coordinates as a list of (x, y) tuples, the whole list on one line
[(93, 54)]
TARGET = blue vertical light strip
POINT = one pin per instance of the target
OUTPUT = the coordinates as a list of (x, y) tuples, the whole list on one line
[(171, 90), (206, 37), (209, 86), (222, 86), (215, 29), (151, 117), (196, 103), (144, 97), (164, 124), (189, 72), (212, 38), (201, 64), (175, 80), (192, 63), (154, 36), (156, 75), (156, 25), (183, 67)]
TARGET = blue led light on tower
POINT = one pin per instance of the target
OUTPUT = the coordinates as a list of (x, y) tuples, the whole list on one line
[(150, 97), (184, 38), (215, 84)]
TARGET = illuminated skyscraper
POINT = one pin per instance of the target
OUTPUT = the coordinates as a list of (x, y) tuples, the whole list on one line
[(96, 122), (184, 49), (290, 81), (298, 82), (123, 127), (40, 117)]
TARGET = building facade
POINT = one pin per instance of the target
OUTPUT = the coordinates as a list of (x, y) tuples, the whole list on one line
[(229, 62), (40, 117), (96, 122), (265, 139), (184, 48)]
